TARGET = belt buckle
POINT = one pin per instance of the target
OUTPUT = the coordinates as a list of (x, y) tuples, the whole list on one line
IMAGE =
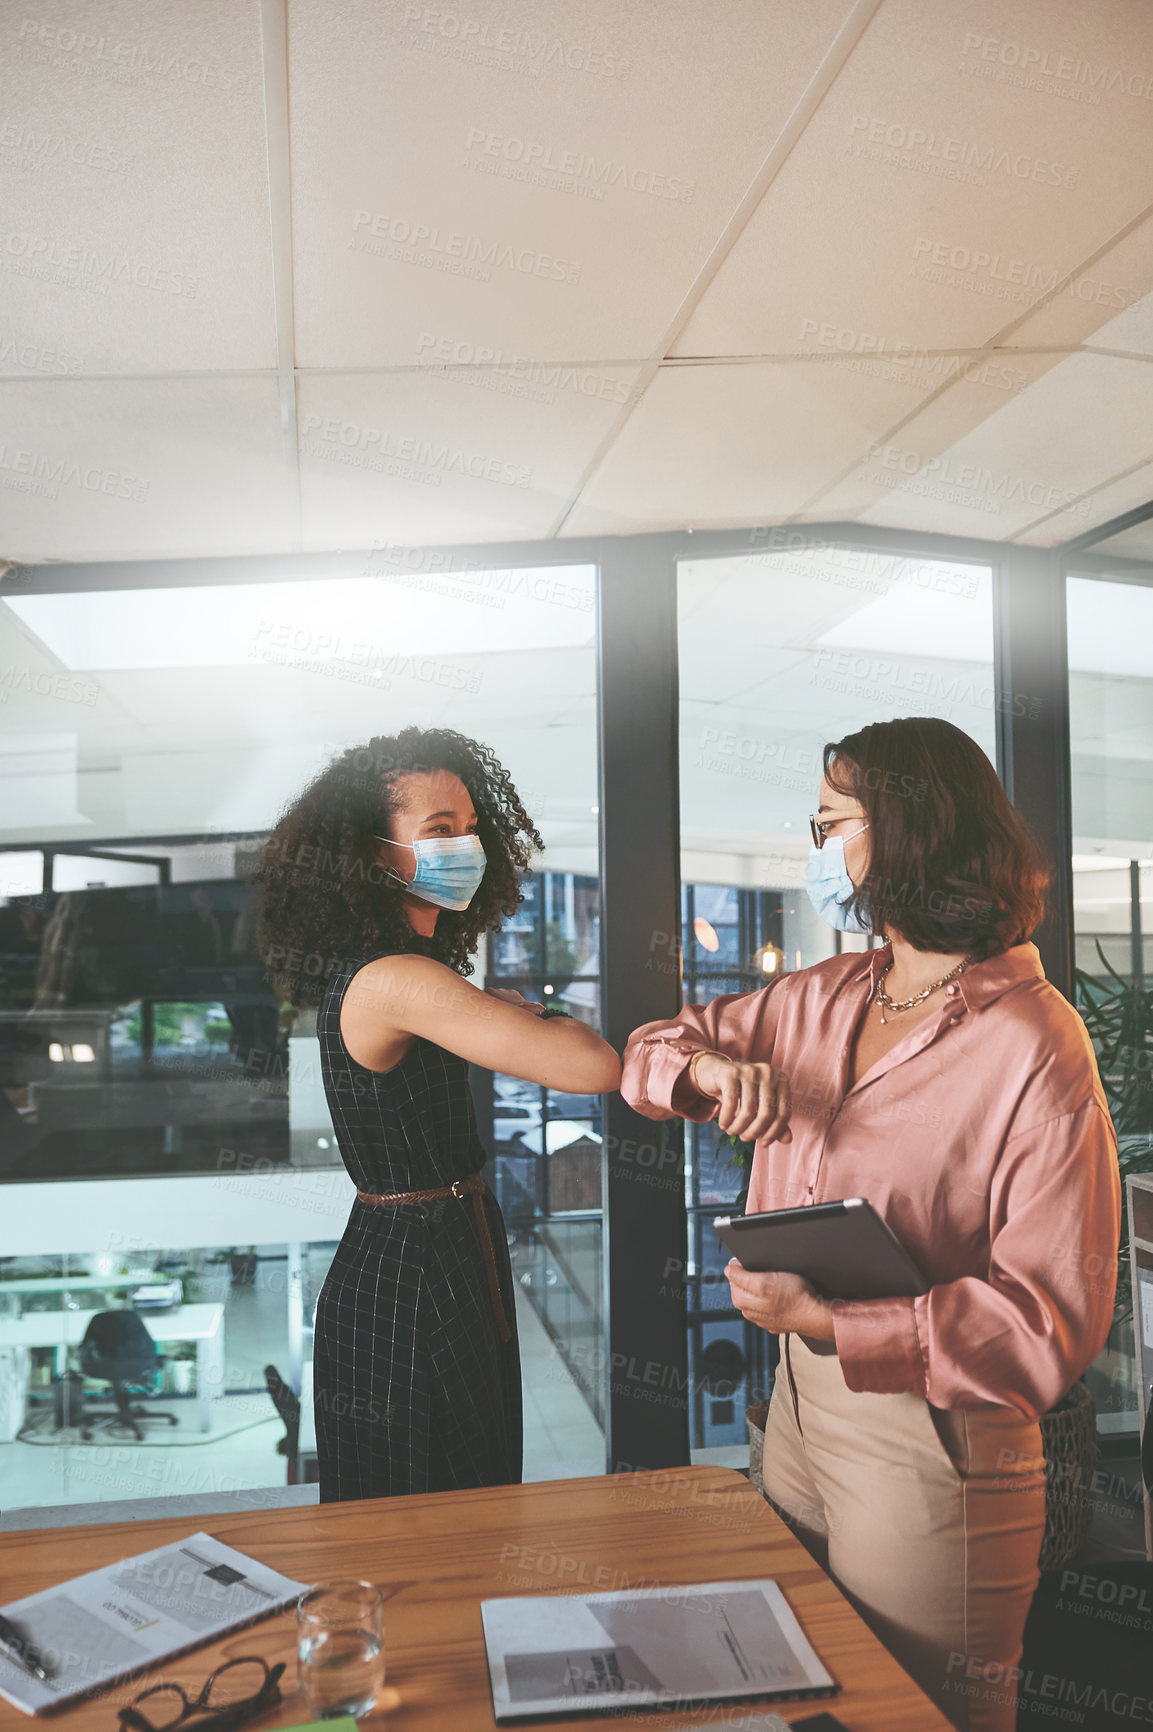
[(457, 1188)]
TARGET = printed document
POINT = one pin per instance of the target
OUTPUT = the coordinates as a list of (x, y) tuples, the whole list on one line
[(134, 1615), (657, 1647)]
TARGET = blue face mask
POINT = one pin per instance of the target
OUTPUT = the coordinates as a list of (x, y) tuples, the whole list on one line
[(448, 869), (829, 886)]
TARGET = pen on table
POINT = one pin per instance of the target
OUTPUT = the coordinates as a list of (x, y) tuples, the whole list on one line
[(16, 1647)]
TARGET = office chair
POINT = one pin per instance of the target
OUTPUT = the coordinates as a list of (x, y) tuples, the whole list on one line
[(287, 1404), (118, 1349)]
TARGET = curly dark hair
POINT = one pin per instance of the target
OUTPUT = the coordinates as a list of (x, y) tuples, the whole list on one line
[(952, 865), (322, 896)]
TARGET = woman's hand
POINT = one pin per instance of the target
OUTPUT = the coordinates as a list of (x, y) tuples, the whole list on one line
[(754, 1098), (782, 1304)]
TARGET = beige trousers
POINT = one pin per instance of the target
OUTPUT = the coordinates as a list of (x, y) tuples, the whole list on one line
[(930, 1522)]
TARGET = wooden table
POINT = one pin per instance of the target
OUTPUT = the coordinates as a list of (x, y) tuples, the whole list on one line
[(437, 1557)]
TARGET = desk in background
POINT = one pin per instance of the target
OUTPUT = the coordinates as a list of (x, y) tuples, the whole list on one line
[(437, 1557), (21, 1286), (203, 1324)]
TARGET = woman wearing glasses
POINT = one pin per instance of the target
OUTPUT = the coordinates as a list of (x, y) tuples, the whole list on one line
[(377, 886), (944, 1079)]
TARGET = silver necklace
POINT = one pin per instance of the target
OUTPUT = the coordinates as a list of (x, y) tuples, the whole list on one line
[(882, 1000)]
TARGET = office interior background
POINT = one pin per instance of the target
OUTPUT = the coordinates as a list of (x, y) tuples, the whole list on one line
[(653, 393)]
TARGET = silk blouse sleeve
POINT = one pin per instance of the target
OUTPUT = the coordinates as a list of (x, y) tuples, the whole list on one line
[(653, 1081), (1022, 1337)]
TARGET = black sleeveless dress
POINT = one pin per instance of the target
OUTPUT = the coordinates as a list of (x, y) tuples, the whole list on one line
[(415, 1390)]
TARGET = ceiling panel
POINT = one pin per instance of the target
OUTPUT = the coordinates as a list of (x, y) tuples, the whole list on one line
[(975, 388), (441, 457), (542, 181), (925, 184), (132, 469), (1108, 305), (495, 221), (1040, 456), (136, 226), (733, 444), (1112, 500)]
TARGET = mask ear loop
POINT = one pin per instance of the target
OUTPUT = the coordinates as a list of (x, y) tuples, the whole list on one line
[(388, 870)]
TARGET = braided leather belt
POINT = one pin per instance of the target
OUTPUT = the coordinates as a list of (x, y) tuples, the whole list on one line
[(474, 1187)]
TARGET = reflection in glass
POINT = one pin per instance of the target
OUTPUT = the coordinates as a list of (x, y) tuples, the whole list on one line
[(549, 1158), (1110, 634), (139, 1037), (781, 653)]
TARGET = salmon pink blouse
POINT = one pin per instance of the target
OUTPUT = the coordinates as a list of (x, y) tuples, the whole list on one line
[(982, 1138)]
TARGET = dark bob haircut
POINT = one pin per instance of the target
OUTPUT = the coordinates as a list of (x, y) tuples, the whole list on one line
[(324, 898), (952, 866)]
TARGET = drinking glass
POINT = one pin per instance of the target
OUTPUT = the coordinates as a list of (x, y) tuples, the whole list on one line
[(340, 1651)]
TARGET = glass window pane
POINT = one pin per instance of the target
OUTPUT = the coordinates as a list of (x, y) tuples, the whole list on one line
[(139, 1035), (549, 1158), (780, 653), (1110, 632)]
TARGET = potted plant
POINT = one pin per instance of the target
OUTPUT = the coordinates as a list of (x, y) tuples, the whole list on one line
[(741, 1158), (1118, 1014)]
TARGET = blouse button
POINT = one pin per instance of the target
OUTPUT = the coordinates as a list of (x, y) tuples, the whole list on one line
[(951, 991)]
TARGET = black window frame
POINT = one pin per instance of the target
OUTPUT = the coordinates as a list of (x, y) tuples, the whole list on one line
[(638, 735)]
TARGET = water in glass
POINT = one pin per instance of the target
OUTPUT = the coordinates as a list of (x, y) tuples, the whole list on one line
[(340, 1671), (340, 1653)]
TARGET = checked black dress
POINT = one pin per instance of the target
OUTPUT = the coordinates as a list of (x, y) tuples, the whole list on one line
[(415, 1389)]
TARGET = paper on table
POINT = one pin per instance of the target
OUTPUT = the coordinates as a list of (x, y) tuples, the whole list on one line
[(712, 1641), (749, 1721), (134, 1614)]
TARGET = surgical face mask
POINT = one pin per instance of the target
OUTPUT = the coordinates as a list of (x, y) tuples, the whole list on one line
[(829, 886), (448, 869)]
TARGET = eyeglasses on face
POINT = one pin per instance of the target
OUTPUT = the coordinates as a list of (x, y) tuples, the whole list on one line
[(235, 1691), (819, 826)]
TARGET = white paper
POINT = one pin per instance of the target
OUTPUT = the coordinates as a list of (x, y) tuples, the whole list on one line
[(133, 1614), (713, 1641)]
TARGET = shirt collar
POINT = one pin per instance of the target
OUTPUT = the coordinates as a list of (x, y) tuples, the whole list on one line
[(984, 981)]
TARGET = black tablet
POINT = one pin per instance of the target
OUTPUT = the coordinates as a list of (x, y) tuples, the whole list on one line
[(845, 1249)]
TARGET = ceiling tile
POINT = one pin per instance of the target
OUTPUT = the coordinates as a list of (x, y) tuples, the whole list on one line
[(543, 181), (136, 226), (133, 469), (1109, 304), (1077, 428), (1110, 501), (734, 444), (441, 456), (981, 385), (926, 174)]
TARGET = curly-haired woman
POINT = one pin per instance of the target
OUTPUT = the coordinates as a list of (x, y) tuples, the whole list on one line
[(943, 1078), (376, 887)]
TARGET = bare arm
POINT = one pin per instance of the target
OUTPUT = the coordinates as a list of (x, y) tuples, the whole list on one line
[(396, 998)]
